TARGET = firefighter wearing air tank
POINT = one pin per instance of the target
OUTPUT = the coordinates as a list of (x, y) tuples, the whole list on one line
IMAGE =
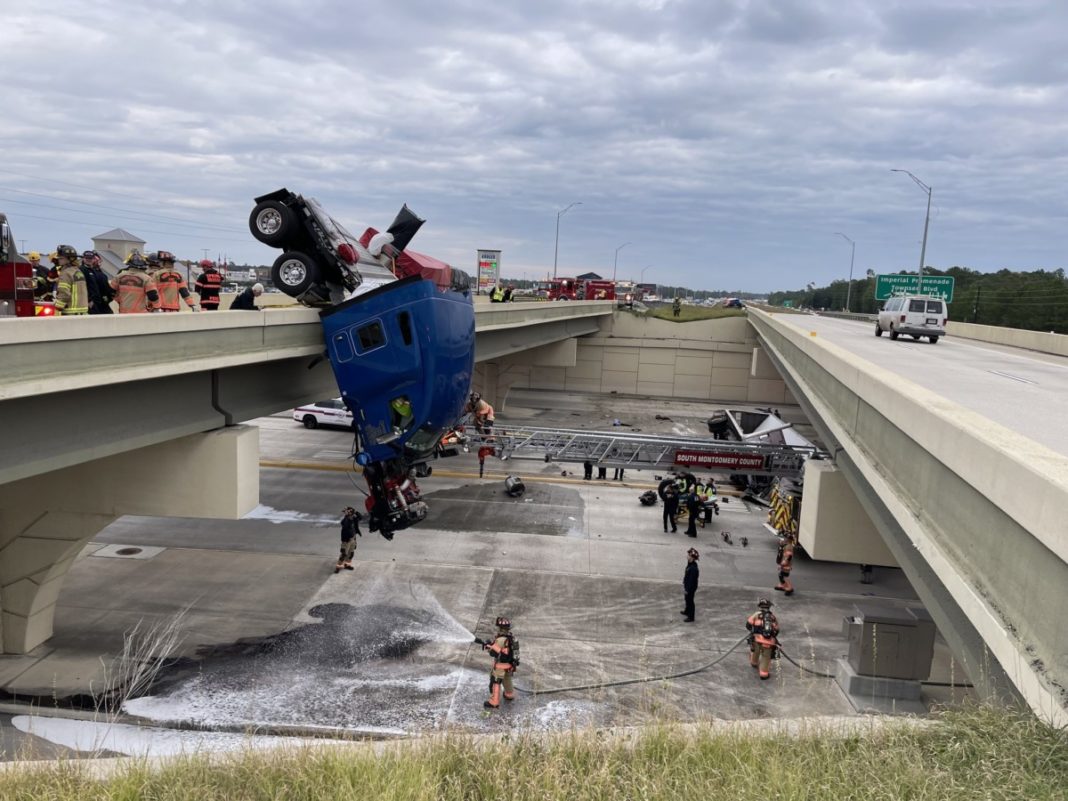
[(72, 296), (505, 651), (763, 637), (785, 560)]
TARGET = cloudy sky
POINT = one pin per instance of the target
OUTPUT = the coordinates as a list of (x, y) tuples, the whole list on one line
[(726, 140)]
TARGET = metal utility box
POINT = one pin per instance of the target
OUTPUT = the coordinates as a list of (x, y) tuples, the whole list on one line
[(890, 643)]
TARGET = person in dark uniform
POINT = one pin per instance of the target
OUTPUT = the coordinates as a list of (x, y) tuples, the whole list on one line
[(689, 584), (671, 508), (693, 510), (587, 470), (350, 530)]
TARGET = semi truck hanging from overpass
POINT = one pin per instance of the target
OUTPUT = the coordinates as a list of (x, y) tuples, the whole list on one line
[(400, 335)]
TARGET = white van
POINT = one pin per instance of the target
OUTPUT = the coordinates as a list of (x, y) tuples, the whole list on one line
[(915, 315)]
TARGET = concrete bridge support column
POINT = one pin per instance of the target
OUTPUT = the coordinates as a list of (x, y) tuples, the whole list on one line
[(45, 521), (36, 550)]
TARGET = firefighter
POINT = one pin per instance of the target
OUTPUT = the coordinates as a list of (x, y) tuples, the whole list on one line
[(676, 307), (505, 651), (40, 275), (72, 295), (785, 560), (208, 284), (350, 530), (693, 511), (482, 412), (134, 288), (763, 637), (401, 413), (169, 282)]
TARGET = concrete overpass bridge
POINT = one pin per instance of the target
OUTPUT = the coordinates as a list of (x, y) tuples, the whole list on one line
[(959, 455), (139, 414), (105, 417)]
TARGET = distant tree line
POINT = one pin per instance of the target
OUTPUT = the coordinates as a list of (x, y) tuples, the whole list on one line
[(1036, 300)]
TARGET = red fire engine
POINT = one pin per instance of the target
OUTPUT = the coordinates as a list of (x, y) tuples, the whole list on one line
[(17, 280), (575, 289)]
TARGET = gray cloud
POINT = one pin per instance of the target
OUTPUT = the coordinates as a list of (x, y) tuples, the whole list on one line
[(727, 139)]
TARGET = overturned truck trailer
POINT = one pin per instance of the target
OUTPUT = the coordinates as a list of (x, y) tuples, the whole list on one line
[(400, 335)]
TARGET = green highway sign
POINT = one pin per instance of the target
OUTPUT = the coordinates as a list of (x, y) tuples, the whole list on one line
[(788, 304), (886, 286)]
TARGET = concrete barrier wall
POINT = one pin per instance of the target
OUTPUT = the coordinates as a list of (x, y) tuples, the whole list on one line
[(981, 506), (634, 355), (1014, 337)]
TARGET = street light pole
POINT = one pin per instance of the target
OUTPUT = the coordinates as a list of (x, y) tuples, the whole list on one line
[(556, 247), (926, 221), (641, 278), (852, 253), (615, 262)]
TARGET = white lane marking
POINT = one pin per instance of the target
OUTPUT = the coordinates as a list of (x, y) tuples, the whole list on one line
[(1012, 377)]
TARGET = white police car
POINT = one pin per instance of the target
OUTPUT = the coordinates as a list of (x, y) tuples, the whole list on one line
[(324, 413)]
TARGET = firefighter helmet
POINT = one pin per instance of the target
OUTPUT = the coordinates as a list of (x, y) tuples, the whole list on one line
[(764, 603), (206, 263), (504, 623), (475, 397), (137, 261), (152, 259), (693, 554), (66, 252), (34, 256), (165, 255)]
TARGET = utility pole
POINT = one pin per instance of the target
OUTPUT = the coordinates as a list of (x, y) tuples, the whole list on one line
[(926, 221), (975, 308), (556, 247), (852, 253)]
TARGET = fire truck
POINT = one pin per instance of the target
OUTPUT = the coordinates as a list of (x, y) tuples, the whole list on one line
[(574, 289), (17, 280)]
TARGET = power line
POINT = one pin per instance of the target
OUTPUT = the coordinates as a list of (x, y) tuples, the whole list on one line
[(88, 224), (159, 217)]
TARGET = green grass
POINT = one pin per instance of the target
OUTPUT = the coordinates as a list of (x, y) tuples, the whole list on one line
[(977, 754), (690, 313)]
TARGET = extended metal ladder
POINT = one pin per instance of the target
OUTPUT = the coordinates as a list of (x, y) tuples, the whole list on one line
[(611, 449)]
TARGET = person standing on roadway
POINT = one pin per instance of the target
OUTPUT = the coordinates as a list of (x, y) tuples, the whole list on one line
[(785, 559), (505, 652), (170, 283), (671, 508), (693, 511), (209, 282), (763, 637), (134, 288), (72, 295), (689, 584), (350, 530)]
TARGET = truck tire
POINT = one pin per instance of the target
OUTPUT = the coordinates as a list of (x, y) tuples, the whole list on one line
[(294, 273), (878, 330), (272, 222), (893, 333), (934, 340)]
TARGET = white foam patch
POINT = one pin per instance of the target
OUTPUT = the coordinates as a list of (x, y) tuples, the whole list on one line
[(272, 515), (94, 736)]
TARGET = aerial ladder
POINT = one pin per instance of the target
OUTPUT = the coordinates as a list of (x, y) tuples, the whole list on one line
[(649, 451)]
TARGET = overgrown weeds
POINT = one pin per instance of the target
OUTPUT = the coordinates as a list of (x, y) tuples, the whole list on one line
[(980, 753)]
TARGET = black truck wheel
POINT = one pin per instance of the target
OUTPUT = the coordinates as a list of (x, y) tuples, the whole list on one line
[(272, 222), (294, 273)]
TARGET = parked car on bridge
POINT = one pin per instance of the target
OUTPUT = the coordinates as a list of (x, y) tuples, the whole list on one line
[(324, 413)]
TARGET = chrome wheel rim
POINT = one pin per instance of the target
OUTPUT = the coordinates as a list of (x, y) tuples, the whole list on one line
[(293, 272), (269, 221)]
